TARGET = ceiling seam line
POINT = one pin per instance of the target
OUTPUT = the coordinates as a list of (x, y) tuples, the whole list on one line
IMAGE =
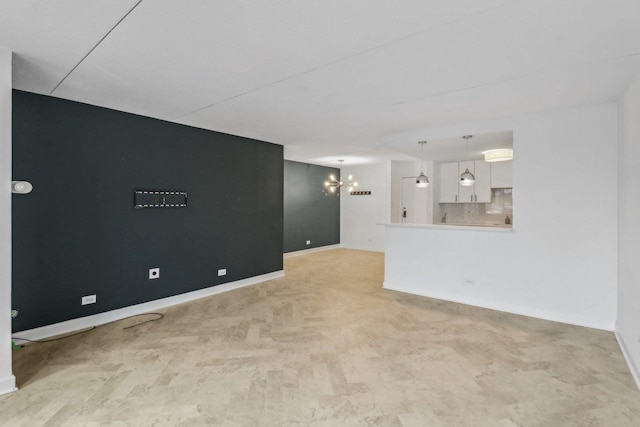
[(524, 76), (346, 58), (94, 47)]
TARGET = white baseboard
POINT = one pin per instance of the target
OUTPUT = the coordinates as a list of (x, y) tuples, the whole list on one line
[(310, 251), (7, 384), (362, 248), (121, 313), (627, 356), (507, 308)]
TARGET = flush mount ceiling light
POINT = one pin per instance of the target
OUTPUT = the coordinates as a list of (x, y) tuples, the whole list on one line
[(498, 155), (332, 183), (466, 178), (422, 181)]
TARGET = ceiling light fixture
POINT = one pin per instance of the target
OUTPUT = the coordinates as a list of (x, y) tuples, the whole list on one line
[(466, 178), (498, 155), (422, 181), (332, 183)]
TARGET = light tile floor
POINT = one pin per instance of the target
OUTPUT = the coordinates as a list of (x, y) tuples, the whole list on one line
[(326, 346)]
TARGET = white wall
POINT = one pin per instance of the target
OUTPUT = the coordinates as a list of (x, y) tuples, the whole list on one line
[(404, 193), (360, 214), (628, 321), (423, 197), (397, 170), (560, 260), (7, 380)]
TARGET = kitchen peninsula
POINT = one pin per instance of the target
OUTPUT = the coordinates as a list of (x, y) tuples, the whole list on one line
[(462, 249), (461, 263)]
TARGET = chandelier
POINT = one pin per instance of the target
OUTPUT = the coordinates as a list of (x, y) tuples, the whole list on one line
[(332, 183)]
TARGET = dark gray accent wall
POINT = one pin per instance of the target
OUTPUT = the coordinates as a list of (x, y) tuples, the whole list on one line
[(78, 233), (310, 212)]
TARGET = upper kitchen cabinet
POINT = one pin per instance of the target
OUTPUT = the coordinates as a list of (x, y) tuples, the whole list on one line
[(480, 191), (466, 194), (482, 186), (452, 192), (502, 174), (449, 182)]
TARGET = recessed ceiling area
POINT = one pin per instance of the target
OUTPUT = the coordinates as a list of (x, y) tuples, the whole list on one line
[(457, 149), (326, 79)]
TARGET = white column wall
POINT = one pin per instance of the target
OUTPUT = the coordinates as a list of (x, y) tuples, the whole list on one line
[(397, 170), (628, 320), (359, 215), (560, 260), (7, 380)]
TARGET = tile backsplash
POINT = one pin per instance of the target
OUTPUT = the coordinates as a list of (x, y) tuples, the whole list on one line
[(495, 212)]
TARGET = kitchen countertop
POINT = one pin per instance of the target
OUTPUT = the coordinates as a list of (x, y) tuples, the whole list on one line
[(456, 226), (466, 224)]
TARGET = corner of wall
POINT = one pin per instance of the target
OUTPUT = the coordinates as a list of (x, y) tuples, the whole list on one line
[(7, 380), (627, 357), (627, 327), (7, 384)]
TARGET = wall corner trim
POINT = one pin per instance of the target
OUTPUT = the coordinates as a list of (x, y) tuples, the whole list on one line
[(627, 356), (65, 327), (7, 384)]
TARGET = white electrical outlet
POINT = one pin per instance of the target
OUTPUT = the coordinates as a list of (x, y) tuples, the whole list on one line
[(154, 273), (308, 242), (89, 299), (222, 272)]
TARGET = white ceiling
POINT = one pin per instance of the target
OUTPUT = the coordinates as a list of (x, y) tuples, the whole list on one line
[(327, 79)]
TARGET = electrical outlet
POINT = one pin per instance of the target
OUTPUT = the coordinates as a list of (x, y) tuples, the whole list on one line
[(154, 273), (308, 242), (89, 299), (222, 272), (469, 282)]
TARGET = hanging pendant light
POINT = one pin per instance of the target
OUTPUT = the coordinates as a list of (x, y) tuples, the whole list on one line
[(332, 183), (466, 178), (422, 181)]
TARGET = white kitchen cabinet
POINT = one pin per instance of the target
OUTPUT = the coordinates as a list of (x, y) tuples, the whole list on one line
[(482, 186), (480, 191), (465, 194), (502, 174), (448, 182), (452, 192)]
